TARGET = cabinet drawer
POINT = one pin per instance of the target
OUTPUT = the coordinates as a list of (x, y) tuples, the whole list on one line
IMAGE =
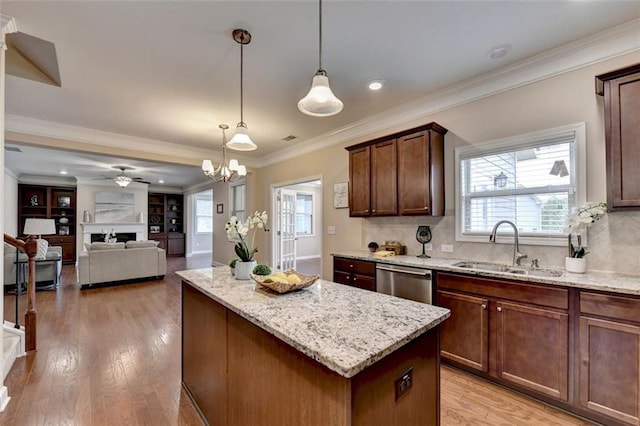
[(503, 289), (363, 281), (357, 266), (624, 308), (342, 277)]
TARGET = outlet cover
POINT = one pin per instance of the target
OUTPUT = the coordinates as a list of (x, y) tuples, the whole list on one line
[(446, 248), (403, 383), (331, 230)]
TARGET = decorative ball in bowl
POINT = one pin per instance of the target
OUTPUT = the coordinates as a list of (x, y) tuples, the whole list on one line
[(284, 282)]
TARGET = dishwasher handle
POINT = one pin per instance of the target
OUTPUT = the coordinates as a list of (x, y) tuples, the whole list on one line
[(405, 271)]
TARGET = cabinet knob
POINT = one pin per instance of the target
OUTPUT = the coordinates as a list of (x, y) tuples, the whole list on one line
[(484, 306), (355, 279), (499, 309), (426, 208), (367, 210), (373, 211), (351, 265)]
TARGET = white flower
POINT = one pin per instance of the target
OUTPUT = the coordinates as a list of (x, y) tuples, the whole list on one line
[(582, 217)]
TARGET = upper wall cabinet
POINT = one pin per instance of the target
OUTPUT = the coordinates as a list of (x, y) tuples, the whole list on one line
[(400, 174), (621, 91)]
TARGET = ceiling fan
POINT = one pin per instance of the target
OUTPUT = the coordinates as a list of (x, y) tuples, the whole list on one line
[(122, 179)]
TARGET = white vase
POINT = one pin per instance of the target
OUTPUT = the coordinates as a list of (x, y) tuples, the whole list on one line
[(577, 265), (243, 269)]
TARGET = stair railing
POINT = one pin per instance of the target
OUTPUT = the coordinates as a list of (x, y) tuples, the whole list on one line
[(30, 247)]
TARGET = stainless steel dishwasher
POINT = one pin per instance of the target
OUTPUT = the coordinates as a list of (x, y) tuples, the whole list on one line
[(404, 281)]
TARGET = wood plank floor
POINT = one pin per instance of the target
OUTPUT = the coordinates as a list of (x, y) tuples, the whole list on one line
[(111, 356)]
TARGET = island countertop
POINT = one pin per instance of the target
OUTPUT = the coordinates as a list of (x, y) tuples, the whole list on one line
[(344, 328)]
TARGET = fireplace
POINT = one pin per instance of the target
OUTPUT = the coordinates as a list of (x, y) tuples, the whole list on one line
[(121, 237), (95, 231)]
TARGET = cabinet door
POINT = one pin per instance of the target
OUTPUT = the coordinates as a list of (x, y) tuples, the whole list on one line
[(413, 174), (464, 337), (622, 130), (384, 179), (342, 277), (359, 181), (175, 246), (609, 369), (532, 348), (364, 281)]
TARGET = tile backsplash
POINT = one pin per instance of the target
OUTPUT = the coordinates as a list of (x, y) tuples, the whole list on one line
[(613, 242)]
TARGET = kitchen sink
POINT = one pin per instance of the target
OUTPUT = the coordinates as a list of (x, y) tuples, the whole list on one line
[(495, 267)]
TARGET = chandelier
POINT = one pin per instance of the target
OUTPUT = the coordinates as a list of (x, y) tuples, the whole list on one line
[(241, 140), (320, 101), (226, 171), (122, 180)]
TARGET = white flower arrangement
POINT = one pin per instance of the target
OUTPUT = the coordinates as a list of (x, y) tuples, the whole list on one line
[(237, 232), (578, 220)]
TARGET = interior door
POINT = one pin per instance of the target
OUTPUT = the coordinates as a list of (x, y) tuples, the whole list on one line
[(286, 208)]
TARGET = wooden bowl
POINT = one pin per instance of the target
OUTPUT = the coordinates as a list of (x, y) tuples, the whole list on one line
[(279, 287)]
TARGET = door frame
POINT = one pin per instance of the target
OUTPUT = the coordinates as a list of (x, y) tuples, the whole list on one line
[(272, 211)]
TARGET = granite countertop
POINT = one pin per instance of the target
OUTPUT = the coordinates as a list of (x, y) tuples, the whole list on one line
[(344, 328), (599, 281)]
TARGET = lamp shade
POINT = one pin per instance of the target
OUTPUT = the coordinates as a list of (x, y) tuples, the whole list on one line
[(241, 141), (320, 101), (39, 227)]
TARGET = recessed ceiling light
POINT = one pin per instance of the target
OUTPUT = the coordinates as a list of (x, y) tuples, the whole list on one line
[(376, 84), (160, 181), (499, 51), (63, 172)]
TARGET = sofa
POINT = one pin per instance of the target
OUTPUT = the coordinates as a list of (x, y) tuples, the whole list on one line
[(103, 263), (48, 265)]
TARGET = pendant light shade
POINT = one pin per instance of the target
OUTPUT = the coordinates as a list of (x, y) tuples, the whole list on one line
[(320, 101), (228, 170), (241, 140)]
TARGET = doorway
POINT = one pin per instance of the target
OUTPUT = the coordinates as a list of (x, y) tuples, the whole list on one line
[(296, 240), (201, 233)]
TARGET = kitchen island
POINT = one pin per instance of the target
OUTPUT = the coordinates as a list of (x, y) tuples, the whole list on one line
[(326, 355)]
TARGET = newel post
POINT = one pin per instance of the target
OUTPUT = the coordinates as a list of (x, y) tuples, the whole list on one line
[(31, 248)]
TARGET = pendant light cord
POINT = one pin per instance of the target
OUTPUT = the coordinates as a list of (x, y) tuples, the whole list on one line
[(241, 79), (320, 36)]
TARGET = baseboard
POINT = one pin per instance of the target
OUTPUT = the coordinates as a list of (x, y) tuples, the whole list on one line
[(315, 256), (4, 398), (8, 327)]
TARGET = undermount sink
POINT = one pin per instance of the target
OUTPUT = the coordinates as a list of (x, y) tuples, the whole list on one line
[(494, 267)]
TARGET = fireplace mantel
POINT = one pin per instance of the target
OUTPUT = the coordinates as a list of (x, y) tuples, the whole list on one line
[(89, 228)]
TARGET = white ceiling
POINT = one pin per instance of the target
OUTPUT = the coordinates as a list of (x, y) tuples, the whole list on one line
[(169, 71)]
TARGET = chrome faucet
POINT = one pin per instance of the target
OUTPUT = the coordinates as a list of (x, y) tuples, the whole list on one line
[(517, 256)]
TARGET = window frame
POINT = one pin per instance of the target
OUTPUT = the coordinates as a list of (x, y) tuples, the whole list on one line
[(196, 215), (232, 203), (577, 131), (312, 215)]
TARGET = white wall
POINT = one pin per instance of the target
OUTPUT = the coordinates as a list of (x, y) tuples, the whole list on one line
[(10, 201)]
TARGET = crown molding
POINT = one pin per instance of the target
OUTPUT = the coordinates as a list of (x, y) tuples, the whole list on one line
[(81, 135), (599, 47), (7, 25)]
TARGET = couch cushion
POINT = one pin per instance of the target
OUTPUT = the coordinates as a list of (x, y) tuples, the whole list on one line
[(106, 246), (43, 246), (141, 244)]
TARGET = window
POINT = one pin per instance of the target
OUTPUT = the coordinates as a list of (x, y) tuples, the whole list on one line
[(238, 201), (204, 212), (532, 180), (304, 213)]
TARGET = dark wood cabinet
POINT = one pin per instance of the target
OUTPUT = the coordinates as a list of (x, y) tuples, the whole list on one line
[(356, 273), (609, 356), (464, 337), (515, 332), (401, 174), (621, 91), (166, 222), (51, 202), (421, 173), (359, 181)]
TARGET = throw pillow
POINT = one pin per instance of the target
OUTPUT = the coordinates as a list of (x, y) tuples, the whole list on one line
[(106, 246), (43, 246), (142, 244)]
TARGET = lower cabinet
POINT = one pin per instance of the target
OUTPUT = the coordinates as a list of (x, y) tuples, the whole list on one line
[(356, 273), (609, 356), (172, 242), (518, 333), (68, 244)]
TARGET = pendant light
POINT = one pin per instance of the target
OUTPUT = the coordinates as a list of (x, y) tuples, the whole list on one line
[(320, 101), (229, 171), (241, 140)]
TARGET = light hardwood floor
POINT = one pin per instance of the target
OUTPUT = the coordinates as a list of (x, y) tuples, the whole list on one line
[(111, 356)]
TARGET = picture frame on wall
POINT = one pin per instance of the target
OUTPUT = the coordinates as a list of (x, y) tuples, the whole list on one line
[(219, 208), (341, 195), (154, 229)]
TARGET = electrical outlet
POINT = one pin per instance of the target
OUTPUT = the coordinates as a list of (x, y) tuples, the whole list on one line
[(446, 248), (403, 383), (331, 230)]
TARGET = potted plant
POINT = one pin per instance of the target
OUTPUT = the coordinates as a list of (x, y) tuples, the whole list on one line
[(238, 233), (576, 223), (232, 265)]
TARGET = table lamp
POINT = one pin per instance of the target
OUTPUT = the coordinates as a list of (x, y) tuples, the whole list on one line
[(39, 227)]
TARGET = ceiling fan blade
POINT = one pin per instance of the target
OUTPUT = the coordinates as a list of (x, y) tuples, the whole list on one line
[(140, 180)]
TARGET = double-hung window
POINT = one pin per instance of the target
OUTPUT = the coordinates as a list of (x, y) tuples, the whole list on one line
[(533, 180), (304, 214), (204, 212), (238, 201)]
